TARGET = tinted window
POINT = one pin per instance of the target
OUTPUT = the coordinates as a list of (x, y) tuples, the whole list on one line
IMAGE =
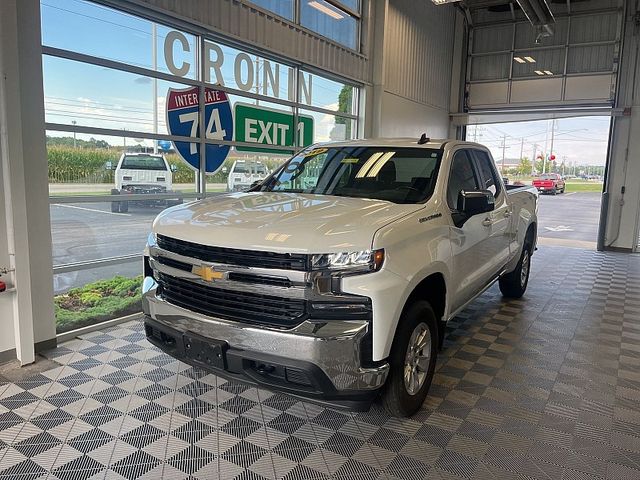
[(488, 176), (143, 162), (462, 177), (399, 175)]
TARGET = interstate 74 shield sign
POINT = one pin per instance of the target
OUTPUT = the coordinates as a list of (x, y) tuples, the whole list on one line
[(183, 120)]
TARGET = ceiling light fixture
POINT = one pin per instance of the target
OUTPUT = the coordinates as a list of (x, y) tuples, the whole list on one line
[(519, 60), (548, 72), (530, 59), (538, 72), (442, 2), (326, 10)]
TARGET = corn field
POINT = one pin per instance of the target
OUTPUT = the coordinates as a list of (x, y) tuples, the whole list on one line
[(86, 165)]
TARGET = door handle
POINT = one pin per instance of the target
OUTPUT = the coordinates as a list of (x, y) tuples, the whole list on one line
[(487, 222)]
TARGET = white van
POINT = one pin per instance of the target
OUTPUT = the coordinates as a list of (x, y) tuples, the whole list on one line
[(244, 173), (142, 173)]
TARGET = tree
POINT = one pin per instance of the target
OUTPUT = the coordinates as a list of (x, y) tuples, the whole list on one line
[(524, 167), (345, 104)]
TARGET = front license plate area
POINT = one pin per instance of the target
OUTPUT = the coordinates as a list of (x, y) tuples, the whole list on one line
[(206, 351)]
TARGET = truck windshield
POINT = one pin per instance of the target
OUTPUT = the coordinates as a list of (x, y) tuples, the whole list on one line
[(143, 162), (399, 175), (249, 168), (547, 176)]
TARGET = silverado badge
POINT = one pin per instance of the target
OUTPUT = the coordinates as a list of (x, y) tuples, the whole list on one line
[(208, 274)]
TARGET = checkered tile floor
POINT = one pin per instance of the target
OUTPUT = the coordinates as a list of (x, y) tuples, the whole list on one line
[(547, 387)]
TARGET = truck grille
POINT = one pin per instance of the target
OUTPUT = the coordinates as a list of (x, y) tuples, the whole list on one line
[(232, 305), (232, 256)]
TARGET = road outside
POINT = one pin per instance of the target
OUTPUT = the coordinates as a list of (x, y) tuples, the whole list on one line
[(90, 231), (569, 219)]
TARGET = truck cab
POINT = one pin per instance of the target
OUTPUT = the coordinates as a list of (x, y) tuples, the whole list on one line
[(142, 173)]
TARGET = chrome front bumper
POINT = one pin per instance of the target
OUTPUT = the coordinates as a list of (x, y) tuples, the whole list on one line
[(331, 347)]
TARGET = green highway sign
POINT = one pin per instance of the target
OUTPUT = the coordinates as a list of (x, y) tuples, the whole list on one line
[(266, 126)]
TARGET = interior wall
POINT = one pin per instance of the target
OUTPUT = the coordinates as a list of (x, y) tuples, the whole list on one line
[(623, 188), (26, 225), (413, 54), (7, 341), (406, 118)]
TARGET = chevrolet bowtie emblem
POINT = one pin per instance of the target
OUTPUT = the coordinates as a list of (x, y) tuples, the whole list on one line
[(208, 274)]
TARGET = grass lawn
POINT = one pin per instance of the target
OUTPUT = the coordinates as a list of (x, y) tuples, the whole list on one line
[(583, 186), (97, 302)]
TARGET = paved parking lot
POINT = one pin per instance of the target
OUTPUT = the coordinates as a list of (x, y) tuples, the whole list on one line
[(89, 231)]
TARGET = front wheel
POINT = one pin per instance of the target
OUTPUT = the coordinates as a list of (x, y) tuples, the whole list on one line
[(412, 361), (514, 284)]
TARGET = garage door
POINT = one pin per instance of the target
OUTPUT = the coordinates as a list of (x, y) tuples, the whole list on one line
[(514, 64)]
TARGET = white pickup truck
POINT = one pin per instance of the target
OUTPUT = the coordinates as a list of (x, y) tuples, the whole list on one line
[(143, 173), (333, 280)]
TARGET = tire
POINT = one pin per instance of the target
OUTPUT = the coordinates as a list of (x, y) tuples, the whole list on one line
[(124, 206), (514, 284), (397, 397), (554, 191), (115, 206)]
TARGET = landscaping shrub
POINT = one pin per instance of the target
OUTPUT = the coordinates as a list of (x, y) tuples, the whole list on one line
[(97, 302)]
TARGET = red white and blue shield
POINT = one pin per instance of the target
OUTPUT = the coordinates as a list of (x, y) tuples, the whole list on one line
[(183, 120)]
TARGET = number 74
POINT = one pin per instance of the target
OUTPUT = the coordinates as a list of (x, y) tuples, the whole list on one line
[(214, 127)]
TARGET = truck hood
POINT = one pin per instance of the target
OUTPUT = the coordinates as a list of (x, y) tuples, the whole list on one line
[(281, 222)]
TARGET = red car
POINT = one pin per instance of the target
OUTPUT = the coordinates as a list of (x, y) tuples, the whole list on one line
[(549, 183)]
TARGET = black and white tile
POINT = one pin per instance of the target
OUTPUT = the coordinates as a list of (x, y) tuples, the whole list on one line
[(546, 387)]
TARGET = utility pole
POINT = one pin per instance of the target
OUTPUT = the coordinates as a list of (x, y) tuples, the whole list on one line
[(504, 147), (553, 131), (521, 148), (74, 133), (533, 159)]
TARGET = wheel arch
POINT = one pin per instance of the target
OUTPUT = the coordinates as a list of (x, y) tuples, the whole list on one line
[(432, 288)]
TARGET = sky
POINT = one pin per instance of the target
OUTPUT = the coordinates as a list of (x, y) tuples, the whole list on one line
[(100, 97), (581, 140)]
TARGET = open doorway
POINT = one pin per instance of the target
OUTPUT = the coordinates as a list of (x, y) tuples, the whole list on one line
[(565, 159)]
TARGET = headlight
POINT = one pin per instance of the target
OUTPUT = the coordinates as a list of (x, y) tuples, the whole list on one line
[(152, 240), (366, 260)]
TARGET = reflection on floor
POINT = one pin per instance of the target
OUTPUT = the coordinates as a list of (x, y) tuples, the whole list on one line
[(546, 387)]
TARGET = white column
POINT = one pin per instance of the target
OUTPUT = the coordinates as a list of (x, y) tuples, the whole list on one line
[(25, 182)]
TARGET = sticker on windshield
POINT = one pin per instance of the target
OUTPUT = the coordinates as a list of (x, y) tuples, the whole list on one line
[(350, 160), (315, 152)]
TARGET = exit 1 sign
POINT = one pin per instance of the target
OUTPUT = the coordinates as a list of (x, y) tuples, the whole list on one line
[(266, 126)]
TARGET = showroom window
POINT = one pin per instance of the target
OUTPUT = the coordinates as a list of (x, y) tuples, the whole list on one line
[(138, 100), (338, 20)]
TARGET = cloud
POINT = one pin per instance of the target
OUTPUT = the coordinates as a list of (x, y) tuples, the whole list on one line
[(143, 80)]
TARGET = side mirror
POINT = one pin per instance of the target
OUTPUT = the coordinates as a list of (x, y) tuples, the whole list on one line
[(255, 184), (108, 166), (173, 168), (476, 202)]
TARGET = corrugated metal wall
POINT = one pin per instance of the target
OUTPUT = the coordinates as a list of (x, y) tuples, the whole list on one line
[(419, 51), (253, 26)]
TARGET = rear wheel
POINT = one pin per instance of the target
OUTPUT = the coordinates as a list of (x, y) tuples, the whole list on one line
[(124, 206), (412, 361), (514, 284), (554, 191)]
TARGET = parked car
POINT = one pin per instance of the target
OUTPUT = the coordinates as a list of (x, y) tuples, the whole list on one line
[(549, 183), (143, 173), (334, 279), (244, 174)]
